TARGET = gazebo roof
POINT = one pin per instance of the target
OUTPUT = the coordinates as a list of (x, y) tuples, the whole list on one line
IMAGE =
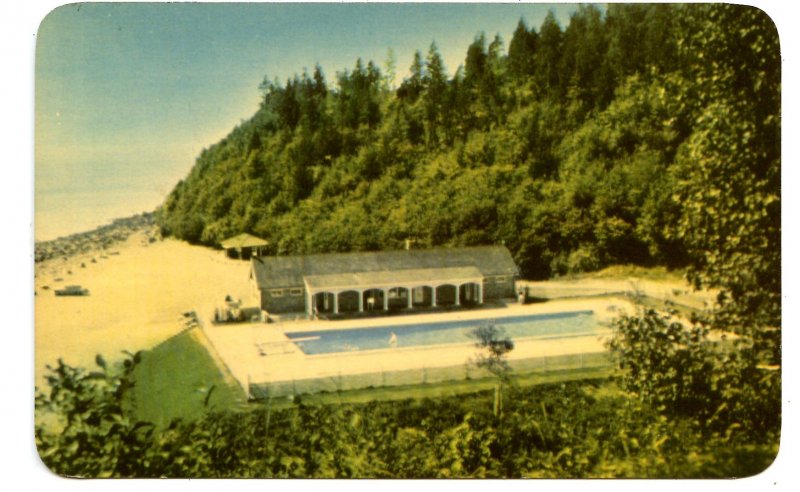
[(243, 240)]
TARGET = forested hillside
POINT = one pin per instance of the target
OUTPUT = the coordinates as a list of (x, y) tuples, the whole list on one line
[(641, 134), (576, 147)]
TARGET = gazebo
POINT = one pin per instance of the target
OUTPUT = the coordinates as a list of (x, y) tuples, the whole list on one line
[(244, 246)]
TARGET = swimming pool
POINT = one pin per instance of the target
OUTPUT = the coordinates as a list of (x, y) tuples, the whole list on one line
[(564, 324)]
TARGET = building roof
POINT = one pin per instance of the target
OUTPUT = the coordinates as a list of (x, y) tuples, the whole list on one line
[(388, 279), (285, 271), (243, 240)]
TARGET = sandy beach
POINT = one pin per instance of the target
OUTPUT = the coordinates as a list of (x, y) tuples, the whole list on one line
[(139, 291)]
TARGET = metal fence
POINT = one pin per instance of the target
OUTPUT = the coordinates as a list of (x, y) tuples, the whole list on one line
[(333, 383)]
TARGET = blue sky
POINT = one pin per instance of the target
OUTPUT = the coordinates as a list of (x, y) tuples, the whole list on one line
[(127, 95)]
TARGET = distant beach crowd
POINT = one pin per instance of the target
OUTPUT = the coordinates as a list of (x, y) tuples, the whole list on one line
[(101, 238)]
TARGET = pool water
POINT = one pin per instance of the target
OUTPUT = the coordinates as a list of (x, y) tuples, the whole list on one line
[(554, 325)]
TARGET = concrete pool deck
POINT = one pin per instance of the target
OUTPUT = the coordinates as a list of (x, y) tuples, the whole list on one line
[(261, 354)]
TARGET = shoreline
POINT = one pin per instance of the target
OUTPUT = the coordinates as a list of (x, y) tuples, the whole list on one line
[(95, 240)]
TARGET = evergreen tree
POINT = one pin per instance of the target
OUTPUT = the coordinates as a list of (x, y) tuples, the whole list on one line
[(582, 64), (436, 87), (412, 87), (547, 74), (522, 52)]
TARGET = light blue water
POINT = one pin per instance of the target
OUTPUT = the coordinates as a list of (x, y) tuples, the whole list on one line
[(61, 214), (556, 325)]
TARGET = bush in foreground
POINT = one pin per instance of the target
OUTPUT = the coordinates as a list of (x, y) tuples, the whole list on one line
[(578, 429)]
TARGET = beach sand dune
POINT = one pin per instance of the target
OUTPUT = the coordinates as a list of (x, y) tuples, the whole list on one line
[(138, 294)]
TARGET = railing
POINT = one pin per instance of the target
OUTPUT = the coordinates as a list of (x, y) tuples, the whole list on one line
[(338, 382)]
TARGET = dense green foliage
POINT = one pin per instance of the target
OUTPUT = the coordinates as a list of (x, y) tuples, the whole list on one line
[(83, 427), (722, 369), (723, 386), (576, 147), (588, 429), (649, 134)]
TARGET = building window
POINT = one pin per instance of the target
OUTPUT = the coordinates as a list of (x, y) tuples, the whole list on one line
[(296, 292), (419, 294), (276, 293)]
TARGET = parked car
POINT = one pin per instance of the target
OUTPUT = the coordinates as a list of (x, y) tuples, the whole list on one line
[(72, 290)]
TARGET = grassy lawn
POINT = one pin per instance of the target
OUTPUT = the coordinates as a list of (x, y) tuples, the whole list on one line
[(443, 389), (174, 378), (618, 272)]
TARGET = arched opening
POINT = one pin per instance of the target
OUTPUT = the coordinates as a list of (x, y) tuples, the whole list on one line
[(373, 300), (470, 294), (445, 295), (348, 301), (421, 296), (398, 297), (323, 301)]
